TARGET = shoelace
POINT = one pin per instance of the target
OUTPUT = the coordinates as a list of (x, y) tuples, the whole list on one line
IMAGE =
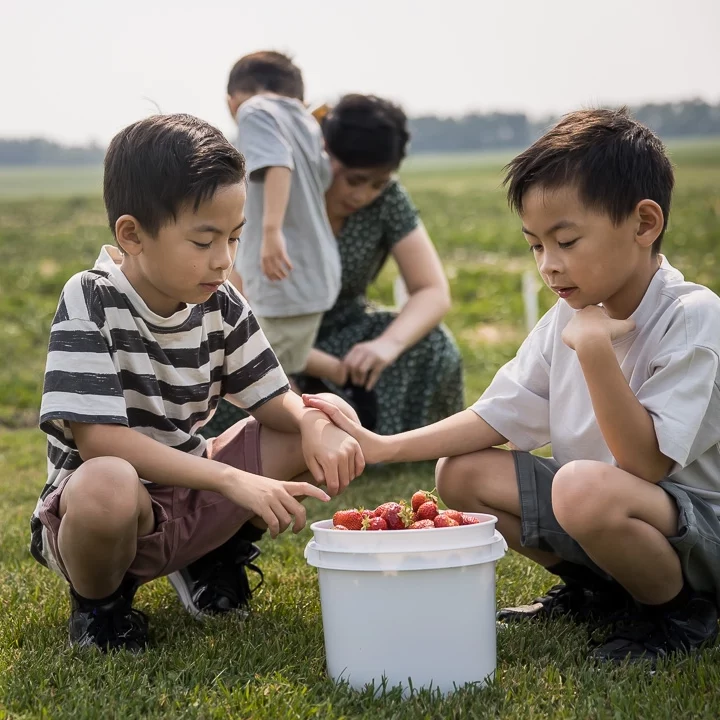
[(229, 579), (124, 623)]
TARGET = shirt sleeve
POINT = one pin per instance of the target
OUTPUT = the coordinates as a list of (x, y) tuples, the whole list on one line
[(399, 215), (81, 380), (261, 141), (683, 398), (516, 403), (252, 373)]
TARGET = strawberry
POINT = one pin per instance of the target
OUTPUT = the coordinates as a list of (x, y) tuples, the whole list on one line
[(381, 510), (367, 513), (422, 525), (339, 527), (420, 497), (456, 515), (470, 520), (374, 523), (442, 520), (427, 511), (351, 519)]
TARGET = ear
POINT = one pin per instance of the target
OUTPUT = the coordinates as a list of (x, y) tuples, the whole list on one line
[(650, 220), (129, 235), (233, 104)]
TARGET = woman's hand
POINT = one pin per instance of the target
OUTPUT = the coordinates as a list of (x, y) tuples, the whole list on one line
[(366, 360)]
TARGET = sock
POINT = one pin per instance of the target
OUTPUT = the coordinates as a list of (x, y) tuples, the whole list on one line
[(574, 574), (95, 602), (679, 601)]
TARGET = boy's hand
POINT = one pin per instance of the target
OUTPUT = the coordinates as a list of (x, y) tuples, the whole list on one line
[(332, 455), (274, 259), (372, 445), (592, 324), (272, 500)]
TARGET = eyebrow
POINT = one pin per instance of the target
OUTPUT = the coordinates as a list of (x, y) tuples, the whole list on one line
[(560, 225), (212, 229)]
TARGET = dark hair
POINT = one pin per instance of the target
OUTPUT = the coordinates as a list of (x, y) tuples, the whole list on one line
[(269, 71), (364, 131), (155, 166), (614, 161)]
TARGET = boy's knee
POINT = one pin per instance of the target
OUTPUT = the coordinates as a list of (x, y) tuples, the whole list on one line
[(451, 479), (345, 406), (580, 497), (105, 491)]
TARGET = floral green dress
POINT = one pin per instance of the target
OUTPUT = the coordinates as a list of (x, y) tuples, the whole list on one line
[(425, 383)]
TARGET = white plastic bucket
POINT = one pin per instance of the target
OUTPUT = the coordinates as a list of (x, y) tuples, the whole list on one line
[(412, 608)]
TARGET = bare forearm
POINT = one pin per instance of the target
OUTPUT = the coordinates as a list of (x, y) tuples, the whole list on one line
[(625, 424), (323, 365), (152, 460), (275, 197), (462, 433), (423, 311), (285, 413)]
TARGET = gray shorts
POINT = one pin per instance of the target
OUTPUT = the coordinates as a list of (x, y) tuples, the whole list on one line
[(697, 542)]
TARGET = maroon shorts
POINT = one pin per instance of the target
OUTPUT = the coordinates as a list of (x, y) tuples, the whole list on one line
[(188, 523)]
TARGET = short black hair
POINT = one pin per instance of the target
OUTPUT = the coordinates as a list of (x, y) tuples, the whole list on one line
[(365, 131), (155, 166), (612, 159), (267, 71)]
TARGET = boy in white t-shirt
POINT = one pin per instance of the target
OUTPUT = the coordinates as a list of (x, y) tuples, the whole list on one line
[(621, 377)]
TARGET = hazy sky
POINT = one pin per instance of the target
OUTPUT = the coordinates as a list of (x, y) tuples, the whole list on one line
[(76, 70)]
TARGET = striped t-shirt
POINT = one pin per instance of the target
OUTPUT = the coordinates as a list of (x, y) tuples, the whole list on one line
[(112, 360)]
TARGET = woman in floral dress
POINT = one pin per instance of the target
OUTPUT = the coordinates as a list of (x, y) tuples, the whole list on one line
[(401, 369)]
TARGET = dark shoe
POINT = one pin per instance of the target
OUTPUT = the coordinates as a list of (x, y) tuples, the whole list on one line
[(640, 636), (217, 583), (572, 601), (113, 625)]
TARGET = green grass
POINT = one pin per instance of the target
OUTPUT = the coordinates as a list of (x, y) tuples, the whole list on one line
[(273, 666)]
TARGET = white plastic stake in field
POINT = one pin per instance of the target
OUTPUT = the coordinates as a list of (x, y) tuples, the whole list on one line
[(530, 288)]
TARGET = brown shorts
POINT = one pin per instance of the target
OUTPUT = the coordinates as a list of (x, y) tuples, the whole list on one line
[(188, 523)]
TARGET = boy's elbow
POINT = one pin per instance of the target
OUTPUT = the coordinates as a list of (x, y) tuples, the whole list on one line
[(90, 440)]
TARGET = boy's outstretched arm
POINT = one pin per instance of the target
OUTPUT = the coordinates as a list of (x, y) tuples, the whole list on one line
[(275, 262), (626, 425), (462, 433), (269, 499)]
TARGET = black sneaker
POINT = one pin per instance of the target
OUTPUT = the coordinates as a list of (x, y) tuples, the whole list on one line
[(642, 637), (114, 625), (217, 583), (572, 601)]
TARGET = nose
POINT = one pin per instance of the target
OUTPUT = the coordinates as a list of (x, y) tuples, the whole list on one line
[(223, 256), (549, 262)]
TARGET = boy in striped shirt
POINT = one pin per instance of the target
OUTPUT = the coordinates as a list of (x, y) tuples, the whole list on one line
[(142, 348)]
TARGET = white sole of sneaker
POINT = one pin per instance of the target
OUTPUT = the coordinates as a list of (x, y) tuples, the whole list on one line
[(181, 585)]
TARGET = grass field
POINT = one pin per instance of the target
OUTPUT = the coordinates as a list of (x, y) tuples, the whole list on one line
[(273, 666)]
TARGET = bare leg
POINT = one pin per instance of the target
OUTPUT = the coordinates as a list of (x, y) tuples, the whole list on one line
[(485, 481), (622, 523), (103, 510)]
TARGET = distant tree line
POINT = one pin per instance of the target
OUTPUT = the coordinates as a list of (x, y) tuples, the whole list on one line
[(513, 130), (430, 133)]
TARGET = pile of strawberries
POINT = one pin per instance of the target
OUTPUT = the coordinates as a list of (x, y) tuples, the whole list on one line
[(422, 513)]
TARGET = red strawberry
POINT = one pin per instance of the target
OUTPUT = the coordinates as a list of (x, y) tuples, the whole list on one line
[(422, 525), (470, 520), (442, 520), (420, 497), (381, 510), (427, 511), (367, 513), (339, 527), (456, 515), (374, 523), (351, 519)]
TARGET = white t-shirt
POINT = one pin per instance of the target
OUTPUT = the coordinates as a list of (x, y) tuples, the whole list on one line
[(670, 362)]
